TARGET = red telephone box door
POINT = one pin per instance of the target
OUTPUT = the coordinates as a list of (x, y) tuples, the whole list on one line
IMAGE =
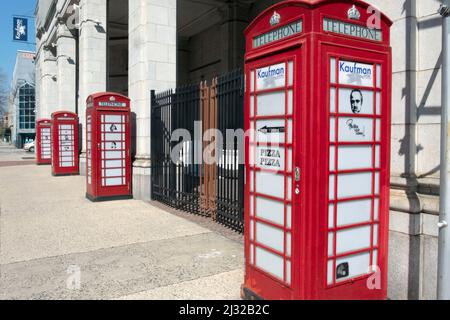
[(65, 143), (90, 156), (354, 233), (272, 187), (114, 153), (43, 142)]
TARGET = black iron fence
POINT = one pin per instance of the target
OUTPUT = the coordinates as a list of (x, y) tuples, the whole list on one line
[(162, 169), (180, 178), (230, 184), (175, 176)]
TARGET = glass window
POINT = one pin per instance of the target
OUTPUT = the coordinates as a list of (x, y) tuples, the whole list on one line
[(27, 107)]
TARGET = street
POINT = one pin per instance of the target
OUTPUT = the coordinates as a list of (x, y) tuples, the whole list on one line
[(56, 244)]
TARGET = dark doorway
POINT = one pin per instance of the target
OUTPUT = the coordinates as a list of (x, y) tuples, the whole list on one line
[(211, 36)]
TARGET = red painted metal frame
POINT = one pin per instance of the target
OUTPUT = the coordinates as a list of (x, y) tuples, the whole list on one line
[(312, 50), (64, 118), (336, 172), (283, 288), (91, 122), (95, 190), (287, 58), (359, 284), (41, 124)]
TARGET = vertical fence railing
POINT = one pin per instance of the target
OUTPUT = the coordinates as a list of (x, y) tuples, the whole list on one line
[(211, 186), (230, 186), (175, 173), (208, 179), (162, 169), (185, 114)]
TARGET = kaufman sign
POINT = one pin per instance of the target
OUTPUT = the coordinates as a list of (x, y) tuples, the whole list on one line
[(354, 73), (270, 77), (20, 29)]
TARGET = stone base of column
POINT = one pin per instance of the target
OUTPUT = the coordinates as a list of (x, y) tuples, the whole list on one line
[(413, 247), (83, 164), (141, 179)]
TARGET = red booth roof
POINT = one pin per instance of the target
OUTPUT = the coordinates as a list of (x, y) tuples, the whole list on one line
[(312, 4)]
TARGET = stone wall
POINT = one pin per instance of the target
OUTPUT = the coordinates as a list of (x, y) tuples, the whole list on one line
[(416, 102)]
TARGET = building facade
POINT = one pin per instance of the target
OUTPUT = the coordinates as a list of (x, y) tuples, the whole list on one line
[(5, 132), (134, 46), (4, 120), (22, 101)]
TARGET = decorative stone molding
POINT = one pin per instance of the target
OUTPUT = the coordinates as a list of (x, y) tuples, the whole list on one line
[(142, 161), (413, 202)]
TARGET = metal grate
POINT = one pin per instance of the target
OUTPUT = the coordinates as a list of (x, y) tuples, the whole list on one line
[(175, 181), (184, 181), (230, 182), (161, 132)]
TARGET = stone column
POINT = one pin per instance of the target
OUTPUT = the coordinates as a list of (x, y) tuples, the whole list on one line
[(232, 35), (66, 61), (152, 66), (48, 97), (92, 59), (38, 85)]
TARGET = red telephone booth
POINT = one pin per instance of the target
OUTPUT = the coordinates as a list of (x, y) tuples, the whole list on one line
[(65, 144), (108, 141), (318, 89), (43, 141)]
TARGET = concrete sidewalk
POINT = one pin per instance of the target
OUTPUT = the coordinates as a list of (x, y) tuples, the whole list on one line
[(52, 239), (10, 155)]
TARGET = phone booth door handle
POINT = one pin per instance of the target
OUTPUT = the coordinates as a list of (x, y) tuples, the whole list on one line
[(297, 174)]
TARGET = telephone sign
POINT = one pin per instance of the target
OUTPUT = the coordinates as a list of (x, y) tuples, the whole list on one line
[(43, 141), (65, 144), (317, 107), (108, 141)]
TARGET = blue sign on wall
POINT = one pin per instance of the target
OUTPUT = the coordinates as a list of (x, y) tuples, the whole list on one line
[(20, 29)]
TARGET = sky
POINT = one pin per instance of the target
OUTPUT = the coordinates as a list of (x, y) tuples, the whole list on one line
[(8, 48)]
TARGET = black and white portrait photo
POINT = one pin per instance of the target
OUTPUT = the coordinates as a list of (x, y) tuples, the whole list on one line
[(356, 101)]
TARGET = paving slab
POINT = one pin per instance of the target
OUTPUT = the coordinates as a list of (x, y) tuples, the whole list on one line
[(10, 153), (56, 244), (207, 288), (123, 271), (45, 216)]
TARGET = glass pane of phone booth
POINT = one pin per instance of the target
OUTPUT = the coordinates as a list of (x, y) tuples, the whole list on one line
[(66, 145), (113, 150), (89, 149), (271, 158), (354, 168), (46, 143)]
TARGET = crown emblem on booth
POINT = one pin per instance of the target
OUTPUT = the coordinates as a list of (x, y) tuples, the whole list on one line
[(276, 18), (112, 98), (353, 13)]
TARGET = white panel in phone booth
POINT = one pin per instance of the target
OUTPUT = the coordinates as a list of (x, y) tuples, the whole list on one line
[(353, 142), (46, 146), (270, 179)]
